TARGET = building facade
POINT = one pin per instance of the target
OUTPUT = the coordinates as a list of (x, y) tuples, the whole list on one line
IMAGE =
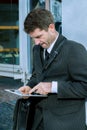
[(16, 45)]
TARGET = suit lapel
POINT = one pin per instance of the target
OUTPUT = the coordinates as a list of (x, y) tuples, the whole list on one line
[(38, 53), (52, 54), (58, 42)]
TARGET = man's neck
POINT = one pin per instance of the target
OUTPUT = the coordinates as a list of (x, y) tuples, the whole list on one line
[(52, 44)]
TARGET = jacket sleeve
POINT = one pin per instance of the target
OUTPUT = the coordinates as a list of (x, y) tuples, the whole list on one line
[(32, 81), (76, 86)]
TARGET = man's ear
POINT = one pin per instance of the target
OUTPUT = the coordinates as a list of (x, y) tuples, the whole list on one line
[(52, 27)]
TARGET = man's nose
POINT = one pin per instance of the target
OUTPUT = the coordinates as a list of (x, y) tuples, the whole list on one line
[(37, 41)]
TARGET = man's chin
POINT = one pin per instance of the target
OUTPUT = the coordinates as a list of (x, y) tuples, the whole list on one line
[(44, 46)]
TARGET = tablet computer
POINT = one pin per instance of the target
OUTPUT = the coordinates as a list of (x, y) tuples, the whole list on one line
[(18, 93)]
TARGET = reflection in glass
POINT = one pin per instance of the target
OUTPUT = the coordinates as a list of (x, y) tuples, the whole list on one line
[(37, 4), (9, 34), (9, 52), (56, 9)]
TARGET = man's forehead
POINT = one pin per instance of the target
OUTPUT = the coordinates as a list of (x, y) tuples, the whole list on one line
[(36, 33)]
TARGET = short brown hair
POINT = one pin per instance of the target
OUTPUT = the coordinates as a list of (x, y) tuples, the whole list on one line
[(38, 18)]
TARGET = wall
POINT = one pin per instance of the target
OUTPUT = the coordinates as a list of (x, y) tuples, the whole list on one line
[(74, 20)]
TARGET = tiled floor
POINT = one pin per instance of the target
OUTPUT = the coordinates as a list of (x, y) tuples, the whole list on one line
[(7, 103)]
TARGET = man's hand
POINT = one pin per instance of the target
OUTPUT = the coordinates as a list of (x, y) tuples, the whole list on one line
[(42, 88), (24, 89)]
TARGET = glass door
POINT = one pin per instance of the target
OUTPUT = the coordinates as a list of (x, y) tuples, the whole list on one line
[(9, 30), (9, 37), (13, 40)]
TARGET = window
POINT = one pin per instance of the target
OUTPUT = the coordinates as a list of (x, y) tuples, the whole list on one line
[(9, 32)]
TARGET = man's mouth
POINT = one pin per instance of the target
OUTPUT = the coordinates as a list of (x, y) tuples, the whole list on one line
[(41, 44)]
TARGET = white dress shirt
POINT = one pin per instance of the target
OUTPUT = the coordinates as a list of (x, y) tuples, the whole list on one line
[(54, 83)]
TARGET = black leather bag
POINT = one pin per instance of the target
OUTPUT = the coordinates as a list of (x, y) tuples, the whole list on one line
[(21, 113), (24, 113)]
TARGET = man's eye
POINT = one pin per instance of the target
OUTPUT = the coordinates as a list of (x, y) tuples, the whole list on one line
[(38, 37)]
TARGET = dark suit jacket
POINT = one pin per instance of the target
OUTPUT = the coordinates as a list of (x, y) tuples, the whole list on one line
[(66, 109)]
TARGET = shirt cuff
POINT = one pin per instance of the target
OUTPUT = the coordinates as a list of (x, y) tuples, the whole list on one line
[(54, 87)]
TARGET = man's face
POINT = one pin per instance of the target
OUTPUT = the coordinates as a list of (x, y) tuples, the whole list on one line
[(42, 37)]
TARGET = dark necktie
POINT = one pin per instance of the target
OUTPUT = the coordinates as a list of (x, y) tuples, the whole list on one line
[(46, 55)]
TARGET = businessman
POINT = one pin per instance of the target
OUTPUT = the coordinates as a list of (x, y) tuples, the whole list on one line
[(60, 72)]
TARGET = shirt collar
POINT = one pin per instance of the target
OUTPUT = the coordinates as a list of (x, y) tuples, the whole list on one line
[(50, 48)]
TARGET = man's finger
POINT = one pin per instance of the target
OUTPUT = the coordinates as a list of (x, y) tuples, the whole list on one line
[(33, 90)]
